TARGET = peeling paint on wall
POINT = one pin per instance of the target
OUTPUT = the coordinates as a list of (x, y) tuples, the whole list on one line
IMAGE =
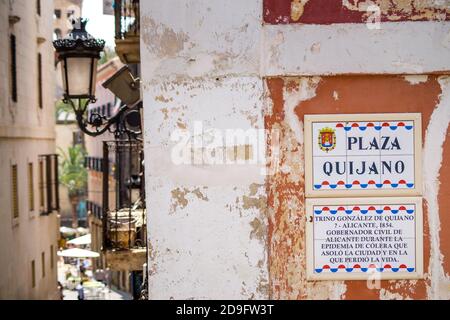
[(297, 9), (180, 200), (353, 11), (401, 10), (357, 94), (224, 68), (285, 189), (161, 39), (416, 79), (200, 39), (432, 162)]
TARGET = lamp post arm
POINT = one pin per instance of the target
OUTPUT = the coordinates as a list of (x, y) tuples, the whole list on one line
[(82, 124), (99, 122)]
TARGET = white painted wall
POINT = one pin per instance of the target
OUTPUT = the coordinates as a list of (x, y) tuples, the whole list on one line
[(352, 48), (435, 138), (198, 64)]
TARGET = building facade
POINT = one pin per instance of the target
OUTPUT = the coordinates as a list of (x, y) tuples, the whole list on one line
[(106, 105), (124, 212), (29, 224), (67, 135), (67, 132), (64, 11), (236, 229)]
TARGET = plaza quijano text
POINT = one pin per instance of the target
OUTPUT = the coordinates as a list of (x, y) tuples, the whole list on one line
[(367, 167)]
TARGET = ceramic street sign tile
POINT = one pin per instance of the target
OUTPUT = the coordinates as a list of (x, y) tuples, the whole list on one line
[(363, 155), (366, 238)]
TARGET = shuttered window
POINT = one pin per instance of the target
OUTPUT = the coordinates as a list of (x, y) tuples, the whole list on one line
[(39, 66), (38, 7), (41, 185), (33, 274), (43, 263), (48, 183), (51, 257), (13, 76), (14, 192), (30, 186)]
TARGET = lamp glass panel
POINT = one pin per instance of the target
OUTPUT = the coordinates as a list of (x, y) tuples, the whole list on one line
[(63, 72), (78, 76), (94, 78)]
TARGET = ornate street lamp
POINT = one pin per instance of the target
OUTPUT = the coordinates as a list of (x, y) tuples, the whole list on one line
[(78, 54)]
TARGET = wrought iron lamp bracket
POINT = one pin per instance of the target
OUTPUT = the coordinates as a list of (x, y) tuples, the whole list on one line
[(99, 122)]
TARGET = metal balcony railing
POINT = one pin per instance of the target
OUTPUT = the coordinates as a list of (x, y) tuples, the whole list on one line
[(124, 221), (127, 20)]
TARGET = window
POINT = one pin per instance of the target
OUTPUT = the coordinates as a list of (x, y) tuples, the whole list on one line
[(41, 185), (48, 183), (51, 257), (38, 7), (124, 279), (39, 66), (93, 163), (43, 263), (30, 187), (78, 138), (33, 274), (57, 34), (15, 192), (58, 13), (13, 76)]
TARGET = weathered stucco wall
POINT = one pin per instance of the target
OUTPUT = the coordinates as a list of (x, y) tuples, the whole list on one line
[(292, 98), (353, 11), (206, 221), (237, 230)]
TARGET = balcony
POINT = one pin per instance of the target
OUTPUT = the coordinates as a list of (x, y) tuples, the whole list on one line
[(124, 221), (127, 25)]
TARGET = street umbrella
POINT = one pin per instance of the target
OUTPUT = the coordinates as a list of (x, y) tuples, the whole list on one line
[(68, 231), (82, 230), (86, 239), (78, 253)]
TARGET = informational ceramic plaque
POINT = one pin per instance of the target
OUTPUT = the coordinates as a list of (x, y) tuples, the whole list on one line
[(363, 155), (364, 238)]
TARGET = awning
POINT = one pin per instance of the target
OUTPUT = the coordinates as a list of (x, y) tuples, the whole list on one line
[(68, 231), (82, 230), (86, 239), (78, 253)]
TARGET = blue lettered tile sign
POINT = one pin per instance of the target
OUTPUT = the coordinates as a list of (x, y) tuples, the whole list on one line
[(364, 238), (363, 155)]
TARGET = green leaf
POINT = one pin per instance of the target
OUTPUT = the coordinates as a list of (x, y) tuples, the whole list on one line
[(73, 174)]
